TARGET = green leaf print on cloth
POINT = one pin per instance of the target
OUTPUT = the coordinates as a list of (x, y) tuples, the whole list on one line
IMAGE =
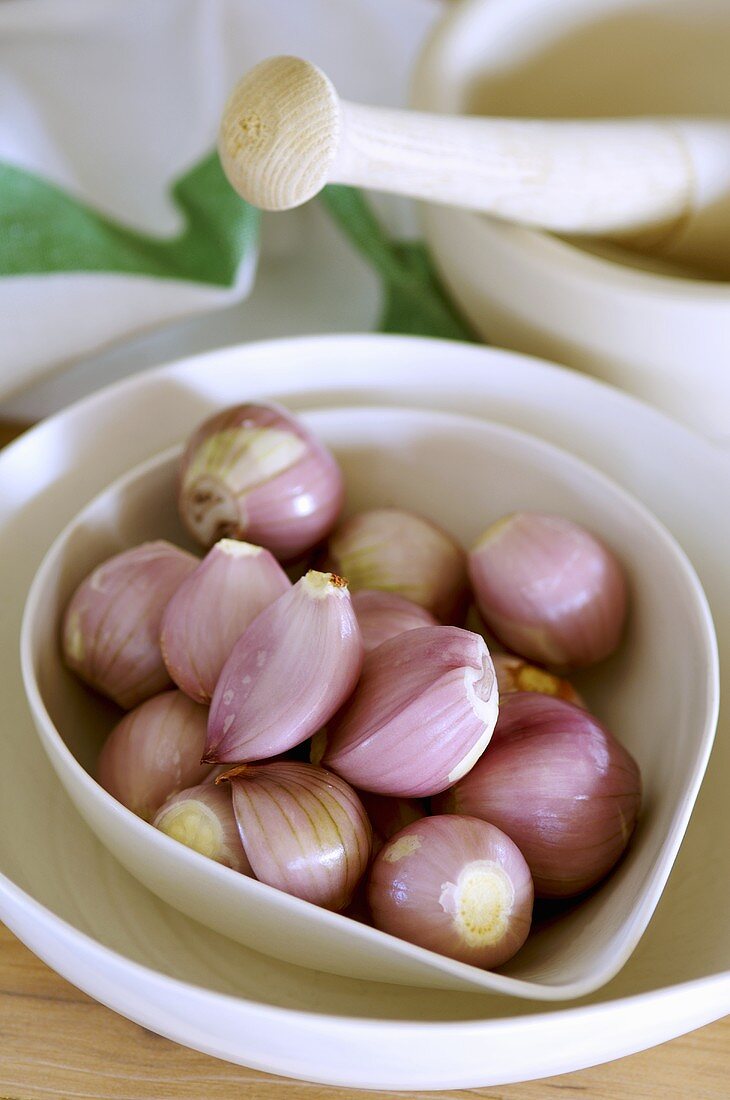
[(43, 229), (414, 300)]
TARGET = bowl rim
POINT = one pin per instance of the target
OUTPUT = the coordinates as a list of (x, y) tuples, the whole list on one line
[(310, 1020), (638, 917), (431, 76)]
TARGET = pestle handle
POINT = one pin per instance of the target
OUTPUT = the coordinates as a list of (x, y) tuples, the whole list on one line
[(285, 133)]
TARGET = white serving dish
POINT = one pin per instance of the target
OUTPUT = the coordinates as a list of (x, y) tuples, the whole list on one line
[(464, 473), (662, 337), (79, 910)]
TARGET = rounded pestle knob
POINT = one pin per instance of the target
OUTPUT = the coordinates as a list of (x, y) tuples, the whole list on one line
[(280, 132)]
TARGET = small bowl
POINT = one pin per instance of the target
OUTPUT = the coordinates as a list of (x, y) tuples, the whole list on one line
[(638, 323), (659, 694)]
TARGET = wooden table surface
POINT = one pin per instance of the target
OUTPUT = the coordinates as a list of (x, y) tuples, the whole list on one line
[(57, 1042)]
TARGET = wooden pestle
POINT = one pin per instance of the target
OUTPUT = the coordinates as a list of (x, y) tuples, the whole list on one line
[(285, 133)]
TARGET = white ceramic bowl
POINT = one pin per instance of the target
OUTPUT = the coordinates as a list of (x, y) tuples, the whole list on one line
[(75, 906), (659, 694), (662, 337)]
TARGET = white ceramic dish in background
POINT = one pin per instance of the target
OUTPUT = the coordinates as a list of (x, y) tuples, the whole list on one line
[(74, 904), (661, 337), (464, 474)]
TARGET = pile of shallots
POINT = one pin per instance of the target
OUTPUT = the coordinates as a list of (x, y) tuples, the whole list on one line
[(293, 731)]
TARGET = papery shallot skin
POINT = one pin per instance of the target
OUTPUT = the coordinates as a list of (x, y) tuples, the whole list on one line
[(111, 628), (287, 674), (384, 615), (202, 818), (549, 590), (560, 785), (154, 752), (421, 716), (455, 885), (516, 674), (211, 609), (304, 830), (255, 472), (396, 551)]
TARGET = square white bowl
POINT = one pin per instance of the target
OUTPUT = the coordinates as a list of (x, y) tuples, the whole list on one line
[(659, 694)]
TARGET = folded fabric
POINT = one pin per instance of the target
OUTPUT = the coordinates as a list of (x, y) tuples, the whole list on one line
[(115, 215)]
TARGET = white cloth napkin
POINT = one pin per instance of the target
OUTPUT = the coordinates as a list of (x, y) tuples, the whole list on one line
[(114, 216)]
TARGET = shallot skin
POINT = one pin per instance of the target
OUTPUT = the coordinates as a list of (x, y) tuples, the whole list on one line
[(211, 609), (516, 674), (455, 885), (384, 615), (401, 552), (422, 714), (256, 472), (111, 627), (287, 674), (560, 785), (304, 830), (202, 818), (154, 752), (549, 590)]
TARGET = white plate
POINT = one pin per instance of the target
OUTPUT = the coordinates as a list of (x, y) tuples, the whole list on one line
[(69, 899), (464, 474)]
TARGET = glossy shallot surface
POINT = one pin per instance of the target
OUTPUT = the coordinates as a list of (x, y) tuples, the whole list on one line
[(211, 609), (287, 674), (421, 716), (111, 629), (455, 885), (560, 785), (304, 830), (549, 590), (154, 752)]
